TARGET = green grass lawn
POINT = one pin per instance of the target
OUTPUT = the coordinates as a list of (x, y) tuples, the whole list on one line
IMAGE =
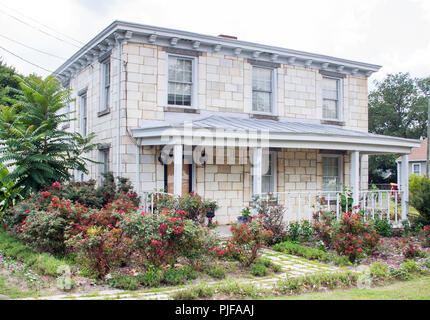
[(418, 289)]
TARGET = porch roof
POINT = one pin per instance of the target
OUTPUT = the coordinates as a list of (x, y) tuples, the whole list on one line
[(245, 132)]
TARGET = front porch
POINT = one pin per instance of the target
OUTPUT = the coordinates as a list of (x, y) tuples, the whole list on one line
[(231, 162)]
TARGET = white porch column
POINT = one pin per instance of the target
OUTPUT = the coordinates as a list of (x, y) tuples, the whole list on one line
[(177, 171), (137, 169), (257, 168), (404, 183), (355, 176)]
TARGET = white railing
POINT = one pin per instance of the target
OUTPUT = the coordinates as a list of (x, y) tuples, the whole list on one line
[(301, 205), (149, 200)]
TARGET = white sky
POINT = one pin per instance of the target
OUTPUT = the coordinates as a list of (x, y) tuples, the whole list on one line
[(391, 33)]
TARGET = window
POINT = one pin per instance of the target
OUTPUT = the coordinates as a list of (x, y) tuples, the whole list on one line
[(416, 168), (105, 80), (84, 123), (268, 178), (180, 86), (332, 173), (104, 159), (262, 90), (331, 98)]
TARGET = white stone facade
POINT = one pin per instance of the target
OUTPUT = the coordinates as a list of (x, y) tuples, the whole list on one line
[(224, 84)]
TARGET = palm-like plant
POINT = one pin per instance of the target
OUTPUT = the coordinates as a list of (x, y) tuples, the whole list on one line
[(32, 144)]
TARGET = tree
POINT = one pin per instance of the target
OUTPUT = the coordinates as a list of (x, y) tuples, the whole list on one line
[(9, 85), (32, 145), (397, 108)]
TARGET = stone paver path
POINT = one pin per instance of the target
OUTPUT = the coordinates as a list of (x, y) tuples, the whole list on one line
[(292, 266)]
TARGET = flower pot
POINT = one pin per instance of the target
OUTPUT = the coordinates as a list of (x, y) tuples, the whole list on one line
[(242, 219)]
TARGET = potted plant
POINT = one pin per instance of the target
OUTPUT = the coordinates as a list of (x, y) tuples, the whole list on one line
[(246, 215), (211, 208)]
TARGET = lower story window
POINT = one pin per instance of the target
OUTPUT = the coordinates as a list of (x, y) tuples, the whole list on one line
[(268, 177), (104, 162), (332, 168)]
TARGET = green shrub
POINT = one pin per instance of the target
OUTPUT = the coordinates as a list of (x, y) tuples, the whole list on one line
[(216, 271), (259, 270), (124, 282), (316, 282), (341, 261), (298, 250), (378, 271), (199, 291), (383, 227), (151, 278), (175, 276), (419, 197)]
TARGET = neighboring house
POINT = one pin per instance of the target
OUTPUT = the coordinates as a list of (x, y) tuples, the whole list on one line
[(417, 160), (181, 111)]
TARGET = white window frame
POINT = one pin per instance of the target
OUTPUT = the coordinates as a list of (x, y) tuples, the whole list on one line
[(103, 98), (340, 99), (194, 85), (104, 155), (419, 168), (274, 164), (340, 169), (274, 107), (83, 107)]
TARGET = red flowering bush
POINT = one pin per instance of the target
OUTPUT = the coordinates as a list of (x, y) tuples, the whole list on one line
[(425, 235), (249, 238), (45, 229), (162, 238), (195, 207), (101, 248), (325, 225), (351, 236)]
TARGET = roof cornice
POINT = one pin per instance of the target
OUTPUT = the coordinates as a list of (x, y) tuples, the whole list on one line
[(133, 32)]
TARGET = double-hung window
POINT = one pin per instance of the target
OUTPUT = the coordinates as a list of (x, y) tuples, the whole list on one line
[(84, 114), (268, 179), (332, 173), (180, 86), (105, 83), (104, 161), (262, 90), (332, 98), (269, 172), (416, 168)]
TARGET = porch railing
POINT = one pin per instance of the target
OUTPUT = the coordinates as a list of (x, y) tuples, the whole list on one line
[(149, 200), (302, 205)]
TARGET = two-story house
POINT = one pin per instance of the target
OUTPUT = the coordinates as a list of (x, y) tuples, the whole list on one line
[(181, 111)]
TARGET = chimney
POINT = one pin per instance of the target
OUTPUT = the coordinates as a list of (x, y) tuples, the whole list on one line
[(227, 36)]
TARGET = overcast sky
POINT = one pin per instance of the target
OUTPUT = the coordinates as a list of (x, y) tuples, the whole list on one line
[(391, 33)]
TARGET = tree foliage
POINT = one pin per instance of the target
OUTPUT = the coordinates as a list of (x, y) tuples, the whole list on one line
[(33, 147), (9, 85), (397, 107)]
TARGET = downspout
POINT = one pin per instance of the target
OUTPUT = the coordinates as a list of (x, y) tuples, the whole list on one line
[(118, 151)]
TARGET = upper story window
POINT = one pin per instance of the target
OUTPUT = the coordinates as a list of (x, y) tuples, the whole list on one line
[(262, 90), (332, 102), (105, 85), (416, 168), (180, 87)]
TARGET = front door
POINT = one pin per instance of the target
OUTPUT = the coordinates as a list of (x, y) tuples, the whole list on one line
[(186, 178)]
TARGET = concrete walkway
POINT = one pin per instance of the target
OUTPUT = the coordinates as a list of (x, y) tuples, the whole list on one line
[(291, 266)]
